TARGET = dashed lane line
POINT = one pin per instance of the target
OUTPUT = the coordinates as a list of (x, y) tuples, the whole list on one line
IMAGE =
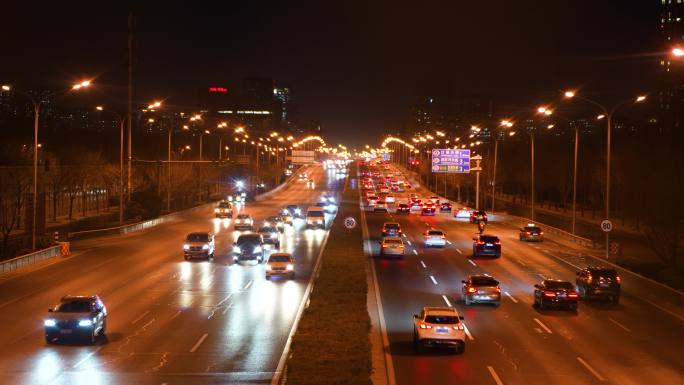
[(494, 375), (433, 279), (511, 297), (546, 328)]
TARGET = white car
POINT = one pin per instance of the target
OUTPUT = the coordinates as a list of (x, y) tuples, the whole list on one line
[(391, 246), (390, 199), (439, 326), (463, 213), (435, 238), (280, 264), (244, 222)]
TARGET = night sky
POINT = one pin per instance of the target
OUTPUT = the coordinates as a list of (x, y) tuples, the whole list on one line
[(355, 66)]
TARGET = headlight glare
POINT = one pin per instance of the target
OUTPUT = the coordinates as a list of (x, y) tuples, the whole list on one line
[(205, 247), (289, 267), (85, 323), (236, 249), (257, 249), (50, 323), (186, 247)]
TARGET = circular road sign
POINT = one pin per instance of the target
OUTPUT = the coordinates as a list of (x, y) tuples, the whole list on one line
[(606, 225), (349, 222)]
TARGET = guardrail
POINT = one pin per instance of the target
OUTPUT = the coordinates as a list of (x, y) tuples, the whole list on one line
[(289, 179), (28, 259), (125, 229)]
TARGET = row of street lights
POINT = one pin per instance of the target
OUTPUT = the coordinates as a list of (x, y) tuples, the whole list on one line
[(544, 111)]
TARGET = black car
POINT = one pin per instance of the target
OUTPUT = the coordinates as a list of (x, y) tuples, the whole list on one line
[(486, 245), (83, 317), (403, 208), (598, 282), (555, 293), (445, 207), (478, 216), (249, 247)]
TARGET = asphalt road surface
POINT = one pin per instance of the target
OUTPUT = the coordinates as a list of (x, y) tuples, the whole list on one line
[(636, 342), (170, 321)]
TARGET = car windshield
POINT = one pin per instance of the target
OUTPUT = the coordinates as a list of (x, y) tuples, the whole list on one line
[(392, 226), (224, 205), (604, 273), (393, 241), (441, 319), (484, 281), (246, 240), (198, 237), (243, 216), (556, 285), (279, 258), (74, 306), (533, 229), (292, 207), (489, 238), (315, 214), (266, 230), (435, 232)]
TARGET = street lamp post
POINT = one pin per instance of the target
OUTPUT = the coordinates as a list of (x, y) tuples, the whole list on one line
[(504, 123), (608, 114), (121, 121), (37, 103)]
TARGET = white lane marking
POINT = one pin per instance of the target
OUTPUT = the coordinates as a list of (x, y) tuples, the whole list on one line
[(423, 264), (409, 242), (467, 332), (541, 276), (140, 317), (625, 328), (494, 375), (404, 235), (248, 284), (459, 251), (592, 370), (230, 305), (446, 300), (84, 359), (668, 311), (277, 375), (176, 315), (543, 326), (511, 297), (472, 263), (433, 279), (449, 242), (415, 252), (389, 363), (198, 343)]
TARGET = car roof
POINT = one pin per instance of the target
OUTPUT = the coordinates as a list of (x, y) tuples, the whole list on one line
[(601, 269), (281, 255), (448, 311), (70, 297), (199, 233), (244, 215), (554, 280), (391, 223)]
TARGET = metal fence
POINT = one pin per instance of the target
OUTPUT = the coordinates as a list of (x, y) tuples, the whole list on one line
[(28, 259)]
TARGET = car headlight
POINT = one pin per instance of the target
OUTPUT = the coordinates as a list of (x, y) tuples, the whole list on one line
[(205, 247), (331, 200), (268, 266), (274, 235), (309, 221), (85, 323), (298, 211), (49, 323), (267, 223), (186, 247), (289, 267), (257, 249), (236, 249), (217, 210)]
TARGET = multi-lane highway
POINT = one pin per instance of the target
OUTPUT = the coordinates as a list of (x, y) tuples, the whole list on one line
[(170, 321), (635, 342)]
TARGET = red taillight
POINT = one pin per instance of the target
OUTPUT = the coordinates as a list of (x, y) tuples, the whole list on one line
[(572, 294), (618, 279), (497, 242), (498, 290), (541, 233), (549, 294), (527, 232), (480, 242), (458, 327), (425, 326), (472, 290)]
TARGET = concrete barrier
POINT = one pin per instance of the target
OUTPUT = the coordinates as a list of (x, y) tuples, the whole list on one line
[(289, 180), (28, 259)]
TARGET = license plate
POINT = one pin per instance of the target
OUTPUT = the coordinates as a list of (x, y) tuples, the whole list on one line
[(561, 295), (442, 330), (604, 285), (488, 244), (65, 331)]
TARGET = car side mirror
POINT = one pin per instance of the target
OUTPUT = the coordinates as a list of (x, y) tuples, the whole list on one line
[(416, 316), (536, 286), (50, 310), (461, 317)]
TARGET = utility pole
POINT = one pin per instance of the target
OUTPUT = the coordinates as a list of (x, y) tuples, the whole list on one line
[(130, 100), (532, 162)]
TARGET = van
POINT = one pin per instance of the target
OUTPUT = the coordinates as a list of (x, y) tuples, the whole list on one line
[(315, 218)]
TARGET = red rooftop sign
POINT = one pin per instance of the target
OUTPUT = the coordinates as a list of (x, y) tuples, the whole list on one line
[(218, 89)]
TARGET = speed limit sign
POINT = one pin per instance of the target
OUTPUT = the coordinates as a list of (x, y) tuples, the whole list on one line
[(349, 223), (606, 225)]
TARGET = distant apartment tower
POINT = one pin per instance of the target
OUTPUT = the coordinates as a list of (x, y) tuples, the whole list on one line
[(671, 96)]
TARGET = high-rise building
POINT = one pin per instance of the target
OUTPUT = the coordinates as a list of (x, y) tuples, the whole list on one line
[(671, 96)]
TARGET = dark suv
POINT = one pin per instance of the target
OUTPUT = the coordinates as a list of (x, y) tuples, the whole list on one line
[(249, 247), (598, 282), (486, 245)]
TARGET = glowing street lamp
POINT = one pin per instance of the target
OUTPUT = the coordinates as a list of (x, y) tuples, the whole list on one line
[(677, 52)]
